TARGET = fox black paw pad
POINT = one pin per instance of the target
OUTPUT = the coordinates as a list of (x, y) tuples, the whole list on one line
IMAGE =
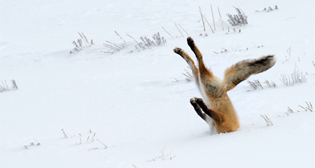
[(190, 41), (199, 100), (178, 50)]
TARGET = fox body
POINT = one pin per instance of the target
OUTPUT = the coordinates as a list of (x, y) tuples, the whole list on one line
[(216, 107)]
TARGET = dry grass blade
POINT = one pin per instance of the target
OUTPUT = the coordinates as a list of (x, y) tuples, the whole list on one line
[(290, 110), (259, 84), (167, 32), (82, 38), (179, 30), (220, 18), (79, 44), (204, 27), (252, 84), (4, 86), (238, 19), (188, 75), (175, 80), (92, 139), (295, 77), (105, 146), (212, 17), (120, 37), (183, 29), (87, 41), (148, 43), (270, 84), (309, 106), (14, 84), (112, 46), (64, 133), (208, 23), (267, 119), (303, 107), (255, 84), (133, 38), (107, 52), (267, 82)]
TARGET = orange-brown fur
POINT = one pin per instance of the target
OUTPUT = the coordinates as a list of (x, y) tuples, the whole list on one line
[(216, 103)]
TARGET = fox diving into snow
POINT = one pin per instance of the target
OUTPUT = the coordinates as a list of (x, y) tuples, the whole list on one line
[(216, 107)]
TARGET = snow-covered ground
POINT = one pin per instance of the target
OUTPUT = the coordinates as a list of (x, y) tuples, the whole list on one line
[(131, 108)]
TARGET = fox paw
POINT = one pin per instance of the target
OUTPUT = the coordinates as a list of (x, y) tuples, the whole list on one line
[(178, 51), (198, 100), (190, 41), (194, 99)]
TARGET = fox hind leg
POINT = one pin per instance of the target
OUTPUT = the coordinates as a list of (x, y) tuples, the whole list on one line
[(191, 64), (213, 114), (203, 71), (198, 109), (207, 78), (204, 112), (194, 48)]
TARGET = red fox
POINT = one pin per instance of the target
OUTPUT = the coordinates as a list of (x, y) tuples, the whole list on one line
[(216, 107)]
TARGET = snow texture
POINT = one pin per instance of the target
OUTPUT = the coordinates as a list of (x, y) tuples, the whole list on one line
[(131, 108)]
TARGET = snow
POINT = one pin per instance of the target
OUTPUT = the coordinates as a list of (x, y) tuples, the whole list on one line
[(125, 109)]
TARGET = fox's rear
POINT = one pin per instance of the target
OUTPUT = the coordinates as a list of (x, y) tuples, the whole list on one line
[(216, 108)]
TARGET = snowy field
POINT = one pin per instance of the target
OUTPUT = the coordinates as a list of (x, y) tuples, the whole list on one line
[(100, 107)]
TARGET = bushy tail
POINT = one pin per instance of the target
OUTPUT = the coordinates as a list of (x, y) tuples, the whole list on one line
[(243, 69)]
